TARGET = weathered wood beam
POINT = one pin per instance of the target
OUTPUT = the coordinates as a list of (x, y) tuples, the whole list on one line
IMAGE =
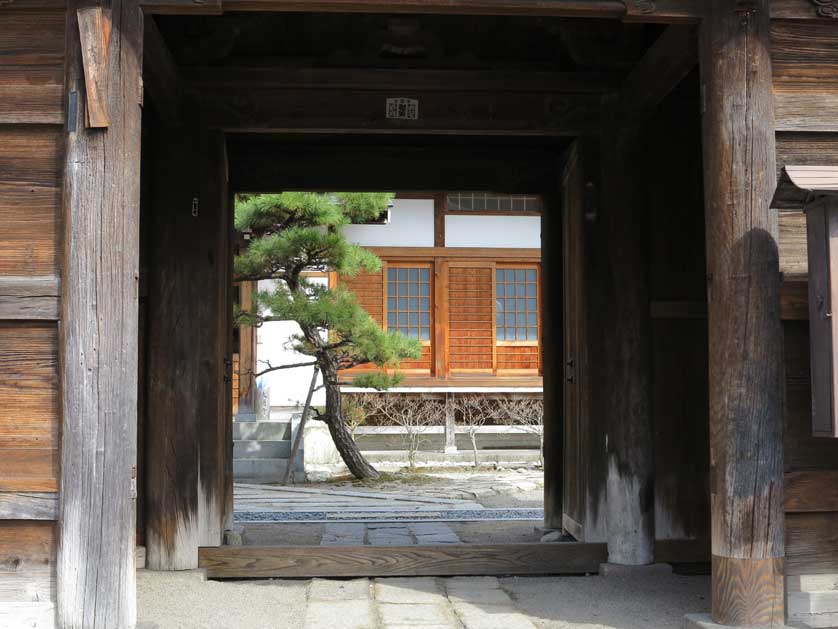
[(28, 298), (23, 505), (173, 428), (94, 23), (553, 357), (161, 76), (664, 11), (390, 80), (256, 165), (804, 9), (266, 109), (389, 561), (99, 331), (670, 59), (630, 481), (565, 8), (212, 230), (810, 491), (746, 337)]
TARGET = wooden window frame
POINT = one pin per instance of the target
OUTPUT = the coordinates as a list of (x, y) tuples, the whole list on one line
[(527, 267), (447, 210), (429, 343)]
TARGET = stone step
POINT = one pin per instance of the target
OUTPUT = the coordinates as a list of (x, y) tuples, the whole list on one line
[(815, 621), (259, 431), (812, 603), (519, 457), (262, 471), (812, 583), (261, 449)]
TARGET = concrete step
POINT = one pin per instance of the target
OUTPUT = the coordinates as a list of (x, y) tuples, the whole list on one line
[(261, 449), (812, 583), (262, 431), (462, 456), (812, 603), (814, 621), (285, 414), (262, 470)]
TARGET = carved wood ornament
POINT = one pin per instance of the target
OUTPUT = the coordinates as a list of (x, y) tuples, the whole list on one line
[(827, 8)]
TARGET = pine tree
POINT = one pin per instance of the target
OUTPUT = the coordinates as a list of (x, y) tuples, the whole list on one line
[(293, 232)]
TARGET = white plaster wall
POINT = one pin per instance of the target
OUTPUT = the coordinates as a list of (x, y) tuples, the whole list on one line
[(515, 232), (288, 387), (411, 225)]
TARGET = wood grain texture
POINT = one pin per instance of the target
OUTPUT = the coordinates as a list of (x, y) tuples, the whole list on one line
[(805, 68), (30, 190), (215, 236), (748, 592), (629, 445), (794, 301), (390, 561), (27, 559), (31, 67), (29, 415), (811, 543), (822, 236), (254, 108), (746, 408), (95, 33), (99, 336), (29, 298), (552, 339), (176, 313), (28, 505), (566, 8), (471, 325), (809, 491)]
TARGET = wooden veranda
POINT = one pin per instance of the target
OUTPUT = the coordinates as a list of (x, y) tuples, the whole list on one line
[(677, 312)]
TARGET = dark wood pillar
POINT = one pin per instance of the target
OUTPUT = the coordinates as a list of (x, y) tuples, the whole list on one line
[(176, 296), (211, 319), (629, 439), (746, 425), (99, 334), (552, 343)]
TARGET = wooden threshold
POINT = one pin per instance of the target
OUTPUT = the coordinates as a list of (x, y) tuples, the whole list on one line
[(390, 561)]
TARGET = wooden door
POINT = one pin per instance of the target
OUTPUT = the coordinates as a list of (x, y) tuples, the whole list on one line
[(575, 407)]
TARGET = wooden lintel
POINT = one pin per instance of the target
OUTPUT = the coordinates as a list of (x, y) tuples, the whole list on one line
[(671, 58), (22, 505), (95, 35), (160, 74), (389, 80), (648, 11), (329, 110), (390, 561), (29, 298), (664, 11), (562, 8)]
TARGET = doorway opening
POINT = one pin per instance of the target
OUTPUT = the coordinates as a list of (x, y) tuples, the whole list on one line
[(450, 113)]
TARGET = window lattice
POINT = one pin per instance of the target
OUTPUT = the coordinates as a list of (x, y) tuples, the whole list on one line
[(409, 301), (487, 202), (516, 309)]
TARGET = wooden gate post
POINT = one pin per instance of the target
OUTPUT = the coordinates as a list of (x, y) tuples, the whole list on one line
[(746, 411), (99, 334), (630, 484)]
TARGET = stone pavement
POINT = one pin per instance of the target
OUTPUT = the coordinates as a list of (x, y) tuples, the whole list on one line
[(409, 603), (186, 600), (387, 534)]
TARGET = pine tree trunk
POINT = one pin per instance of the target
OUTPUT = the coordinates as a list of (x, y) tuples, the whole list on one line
[(346, 446)]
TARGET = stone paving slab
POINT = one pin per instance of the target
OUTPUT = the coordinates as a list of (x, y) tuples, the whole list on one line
[(343, 614), (328, 590), (416, 614)]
